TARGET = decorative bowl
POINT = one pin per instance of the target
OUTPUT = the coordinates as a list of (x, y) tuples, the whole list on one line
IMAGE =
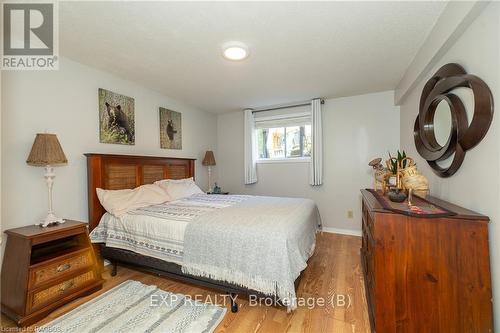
[(397, 195)]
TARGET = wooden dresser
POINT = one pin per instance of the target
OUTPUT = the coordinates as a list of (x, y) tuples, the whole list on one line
[(426, 274), (44, 268)]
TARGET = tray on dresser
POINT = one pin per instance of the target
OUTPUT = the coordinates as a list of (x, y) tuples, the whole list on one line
[(424, 208)]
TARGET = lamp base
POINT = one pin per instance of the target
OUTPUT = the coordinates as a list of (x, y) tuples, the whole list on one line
[(50, 219)]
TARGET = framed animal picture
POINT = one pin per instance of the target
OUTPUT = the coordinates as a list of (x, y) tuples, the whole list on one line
[(170, 129), (116, 118)]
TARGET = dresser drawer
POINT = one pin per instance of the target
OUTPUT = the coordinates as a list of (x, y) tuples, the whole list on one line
[(54, 269), (50, 294)]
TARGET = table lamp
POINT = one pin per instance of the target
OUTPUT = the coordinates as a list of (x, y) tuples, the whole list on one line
[(209, 161), (47, 152)]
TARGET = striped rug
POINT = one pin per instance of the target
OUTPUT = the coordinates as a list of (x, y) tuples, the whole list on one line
[(136, 307)]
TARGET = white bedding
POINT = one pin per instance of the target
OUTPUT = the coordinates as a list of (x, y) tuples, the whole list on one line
[(158, 231), (262, 243), (138, 233)]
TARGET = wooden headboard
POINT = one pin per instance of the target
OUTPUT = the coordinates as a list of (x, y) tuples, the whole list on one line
[(117, 172)]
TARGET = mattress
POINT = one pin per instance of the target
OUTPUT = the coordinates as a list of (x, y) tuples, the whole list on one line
[(158, 231)]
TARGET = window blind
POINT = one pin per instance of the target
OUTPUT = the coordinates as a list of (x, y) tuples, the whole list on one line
[(296, 116)]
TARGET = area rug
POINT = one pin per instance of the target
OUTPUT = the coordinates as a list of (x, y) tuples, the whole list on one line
[(136, 307)]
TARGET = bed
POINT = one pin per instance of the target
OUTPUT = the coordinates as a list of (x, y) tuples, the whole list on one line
[(164, 239)]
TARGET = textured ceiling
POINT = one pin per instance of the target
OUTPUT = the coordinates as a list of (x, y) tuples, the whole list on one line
[(298, 50)]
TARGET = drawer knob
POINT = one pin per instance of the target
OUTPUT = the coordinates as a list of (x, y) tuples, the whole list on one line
[(62, 268), (66, 285)]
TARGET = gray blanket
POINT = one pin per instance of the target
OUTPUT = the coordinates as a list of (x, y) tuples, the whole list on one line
[(262, 243)]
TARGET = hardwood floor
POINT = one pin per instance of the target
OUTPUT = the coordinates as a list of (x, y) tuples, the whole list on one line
[(333, 272)]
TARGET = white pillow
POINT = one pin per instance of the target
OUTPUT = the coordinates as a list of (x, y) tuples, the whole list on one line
[(119, 202), (182, 180), (179, 188)]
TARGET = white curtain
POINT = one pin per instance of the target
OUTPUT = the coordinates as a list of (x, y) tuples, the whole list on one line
[(250, 148), (316, 169)]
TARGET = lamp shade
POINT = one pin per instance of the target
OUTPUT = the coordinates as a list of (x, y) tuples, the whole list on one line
[(46, 150), (209, 158)]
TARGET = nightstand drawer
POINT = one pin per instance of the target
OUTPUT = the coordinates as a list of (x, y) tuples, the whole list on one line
[(61, 266), (52, 293)]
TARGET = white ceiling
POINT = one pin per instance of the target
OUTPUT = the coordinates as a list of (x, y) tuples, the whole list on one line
[(298, 50)]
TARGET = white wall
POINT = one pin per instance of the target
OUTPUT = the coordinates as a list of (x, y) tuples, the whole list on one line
[(1, 193), (476, 185), (65, 102), (356, 129)]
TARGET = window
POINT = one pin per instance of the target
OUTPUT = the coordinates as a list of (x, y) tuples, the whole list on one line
[(283, 134), (284, 142)]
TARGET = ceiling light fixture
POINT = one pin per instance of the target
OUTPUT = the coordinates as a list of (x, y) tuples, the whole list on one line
[(235, 51)]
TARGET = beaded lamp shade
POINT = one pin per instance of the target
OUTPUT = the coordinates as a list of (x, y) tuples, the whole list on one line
[(209, 158), (46, 150)]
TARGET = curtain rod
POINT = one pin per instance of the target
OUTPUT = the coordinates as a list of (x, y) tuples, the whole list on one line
[(283, 106)]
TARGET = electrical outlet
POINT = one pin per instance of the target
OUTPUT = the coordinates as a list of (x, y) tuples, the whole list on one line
[(350, 214)]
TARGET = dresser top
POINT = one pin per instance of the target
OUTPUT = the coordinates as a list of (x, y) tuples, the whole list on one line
[(462, 213), (32, 231)]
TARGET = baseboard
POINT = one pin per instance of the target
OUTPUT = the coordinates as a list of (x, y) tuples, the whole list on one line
[(342, 231)]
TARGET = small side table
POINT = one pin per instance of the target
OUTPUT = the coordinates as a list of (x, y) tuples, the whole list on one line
[(45, 268)]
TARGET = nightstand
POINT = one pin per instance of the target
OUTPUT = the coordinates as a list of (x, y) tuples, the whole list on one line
[(44, 268)]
